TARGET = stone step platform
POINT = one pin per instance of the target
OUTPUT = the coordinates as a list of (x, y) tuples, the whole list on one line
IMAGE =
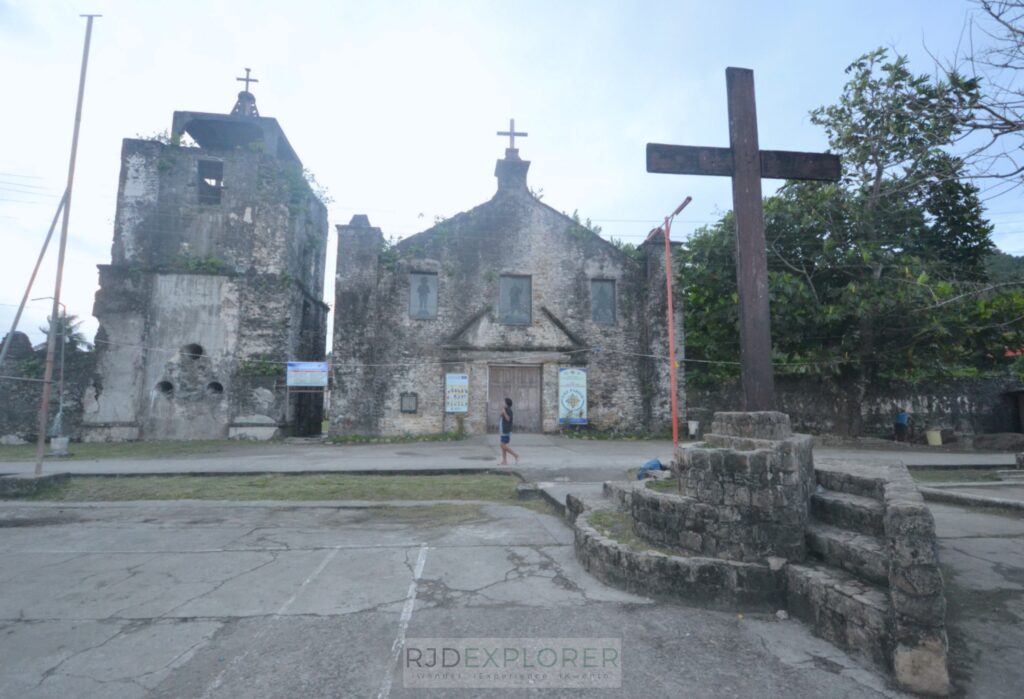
[(864, 556), (851, 478), (557, 492), (849, 612), (607, 547), (847, 511)]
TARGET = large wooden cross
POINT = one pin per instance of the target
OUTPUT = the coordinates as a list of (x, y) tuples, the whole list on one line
[(746, 164)]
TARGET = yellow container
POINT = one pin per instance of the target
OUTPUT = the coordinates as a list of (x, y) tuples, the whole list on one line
[(934, 437)]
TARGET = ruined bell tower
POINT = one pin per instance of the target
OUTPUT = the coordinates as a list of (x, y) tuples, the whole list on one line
[(215, 282)]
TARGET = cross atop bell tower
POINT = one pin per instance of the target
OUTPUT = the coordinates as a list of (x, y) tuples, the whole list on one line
[(246, 104)]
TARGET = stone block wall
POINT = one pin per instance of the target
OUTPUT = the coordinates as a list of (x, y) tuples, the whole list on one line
[(21, 394), (968, 406), (749, 485), (918, 604), (705, 581)]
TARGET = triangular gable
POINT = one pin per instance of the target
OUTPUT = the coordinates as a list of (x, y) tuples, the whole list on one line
[(483, 332)]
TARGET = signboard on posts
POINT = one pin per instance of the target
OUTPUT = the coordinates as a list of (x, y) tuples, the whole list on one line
[(307, 374), (572, 396), (456, 393)]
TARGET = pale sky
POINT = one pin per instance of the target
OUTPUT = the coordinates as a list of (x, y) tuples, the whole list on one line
[(394, 105)]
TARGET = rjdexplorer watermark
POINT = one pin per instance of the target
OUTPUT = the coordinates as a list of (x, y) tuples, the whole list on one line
[(512, 662)]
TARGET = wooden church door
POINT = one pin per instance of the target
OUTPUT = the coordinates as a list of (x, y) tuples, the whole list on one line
[(523, 385)]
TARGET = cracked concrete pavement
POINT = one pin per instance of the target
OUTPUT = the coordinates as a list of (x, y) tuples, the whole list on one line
[(982, 556), (211, 599)]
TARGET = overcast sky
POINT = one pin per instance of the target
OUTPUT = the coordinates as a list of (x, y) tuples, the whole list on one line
[(394, 105)]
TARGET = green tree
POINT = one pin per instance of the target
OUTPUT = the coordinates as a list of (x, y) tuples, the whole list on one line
[(73, 337), (1003, 268), (878, 277)]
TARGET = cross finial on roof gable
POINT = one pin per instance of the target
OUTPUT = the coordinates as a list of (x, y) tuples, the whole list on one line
[(512, 133)]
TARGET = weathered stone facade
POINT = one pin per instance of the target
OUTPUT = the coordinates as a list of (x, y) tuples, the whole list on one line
[(442, 302), (215, 282)]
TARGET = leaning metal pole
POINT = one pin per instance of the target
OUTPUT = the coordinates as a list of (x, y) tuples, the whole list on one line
[(44, 403), (672, 362), (31, 281)]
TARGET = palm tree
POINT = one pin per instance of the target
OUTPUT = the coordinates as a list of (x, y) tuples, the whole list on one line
[(75, 340)]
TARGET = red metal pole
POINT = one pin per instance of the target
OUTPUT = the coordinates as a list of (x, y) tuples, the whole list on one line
[(672, 363), (671, 337)]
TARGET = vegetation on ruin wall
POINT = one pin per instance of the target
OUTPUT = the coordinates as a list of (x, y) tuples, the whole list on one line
[(884, 275), (261, 365), (301, 182), (190, 264)]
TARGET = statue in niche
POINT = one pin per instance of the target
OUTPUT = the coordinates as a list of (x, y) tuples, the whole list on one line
[(423, 296), (514, 300)]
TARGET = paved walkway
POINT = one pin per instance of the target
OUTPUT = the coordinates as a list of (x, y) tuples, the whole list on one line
[(543, 458)]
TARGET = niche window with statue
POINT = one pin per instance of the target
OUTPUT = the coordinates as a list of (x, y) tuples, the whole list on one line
[(422, 296), (514, 300)]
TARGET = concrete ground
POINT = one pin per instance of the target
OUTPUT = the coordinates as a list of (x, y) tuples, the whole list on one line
[(263, 600), (189, 599), (982, 555)]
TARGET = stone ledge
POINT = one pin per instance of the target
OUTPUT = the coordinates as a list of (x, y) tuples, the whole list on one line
[(854, 484), (842, 609), (954, 498), (707, 582), (917, 599), (756, 425)]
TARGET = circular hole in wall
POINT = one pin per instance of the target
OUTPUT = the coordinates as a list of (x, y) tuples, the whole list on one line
[(215, 388), (165, 387), (192, 351)]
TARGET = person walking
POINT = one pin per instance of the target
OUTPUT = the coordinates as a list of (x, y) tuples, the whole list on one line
[(505, 433)]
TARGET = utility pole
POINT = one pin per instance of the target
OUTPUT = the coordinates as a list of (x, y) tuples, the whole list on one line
[(44, 403), (57, 421)]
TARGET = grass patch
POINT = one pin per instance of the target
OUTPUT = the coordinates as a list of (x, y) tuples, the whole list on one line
[(399, 439), (276, 486), (618, 525), (138, 450), (954, 475), (666, 485)]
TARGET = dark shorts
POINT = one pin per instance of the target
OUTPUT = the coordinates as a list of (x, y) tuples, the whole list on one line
[(505, 438), (901, 429)]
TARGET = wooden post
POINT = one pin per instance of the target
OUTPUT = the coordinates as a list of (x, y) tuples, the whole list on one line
[(751, 257)]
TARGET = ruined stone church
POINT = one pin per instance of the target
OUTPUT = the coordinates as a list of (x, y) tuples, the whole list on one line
[(216, 280), (509, 299)]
